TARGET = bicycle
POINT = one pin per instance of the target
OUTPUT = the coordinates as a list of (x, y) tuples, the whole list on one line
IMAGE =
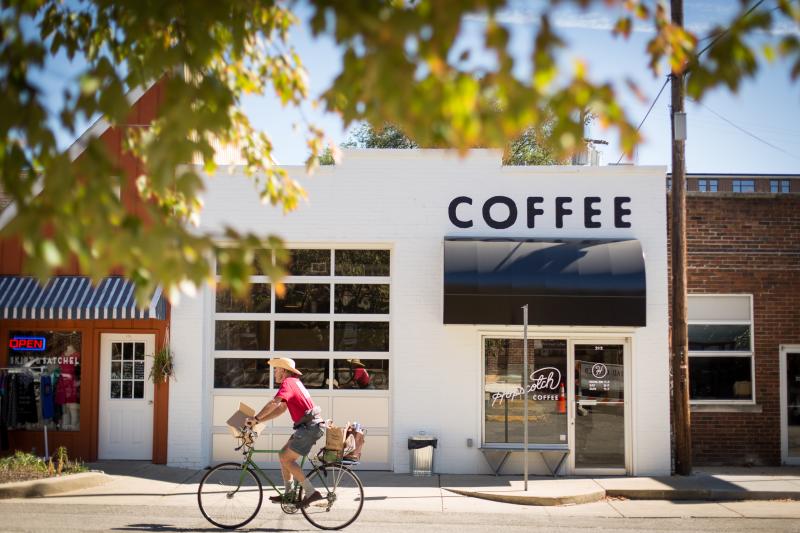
[(230, 494)]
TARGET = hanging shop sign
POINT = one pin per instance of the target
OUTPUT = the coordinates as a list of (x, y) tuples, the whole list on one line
[(27, 344)]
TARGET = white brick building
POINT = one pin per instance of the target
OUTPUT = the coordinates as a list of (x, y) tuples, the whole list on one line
[(447, 380)]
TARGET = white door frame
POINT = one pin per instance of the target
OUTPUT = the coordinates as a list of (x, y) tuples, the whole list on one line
[(784, 350), (572, 407), (149, 340)]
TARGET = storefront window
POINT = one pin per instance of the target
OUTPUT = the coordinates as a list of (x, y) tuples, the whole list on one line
[(241, 335), (43, 384), (720, 354), (361, 374), (362, 262), (304, 298), (361, 299), (503, 391), (361, 337), (258, 301)]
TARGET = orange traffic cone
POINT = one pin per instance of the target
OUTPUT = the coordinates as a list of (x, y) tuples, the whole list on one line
[(562, 401)]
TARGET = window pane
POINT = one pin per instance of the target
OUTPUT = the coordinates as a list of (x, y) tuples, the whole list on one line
[(260, 256), (784, 185), (258, 301), (310, 262), (315, 373), (361, 299), (503, 409), (302, 336), (138, 351), (361, 337), (720, 378), (127, 389), (361, 374), (713, 185), (773, 186), (701, 185), (241, 335), (362, 262), (305, 298), (241, 373), (728, 337), (116, 390)]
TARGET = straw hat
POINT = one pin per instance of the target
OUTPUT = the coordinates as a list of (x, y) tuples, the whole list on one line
[(285, 363), (356, 362)]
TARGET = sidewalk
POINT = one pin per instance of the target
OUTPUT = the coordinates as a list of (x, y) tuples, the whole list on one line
[(140, 483)]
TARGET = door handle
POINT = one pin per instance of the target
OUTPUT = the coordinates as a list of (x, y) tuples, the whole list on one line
[(149, 402)]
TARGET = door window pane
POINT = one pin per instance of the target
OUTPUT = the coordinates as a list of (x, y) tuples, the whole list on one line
[(361, 374), (302, 336), (315, 373), (362, 262), (720, 378), (258, 301), (503, 392), (260, 256), (241, 373), (719, 337), (361, 337), (361, 299), (138, 389), (241, 335), (310, 263), (305, 298)]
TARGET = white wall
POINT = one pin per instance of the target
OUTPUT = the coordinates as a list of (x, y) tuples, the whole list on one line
[(400, 198)]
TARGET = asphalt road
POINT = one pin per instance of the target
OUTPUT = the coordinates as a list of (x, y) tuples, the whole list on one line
[(50, 516)]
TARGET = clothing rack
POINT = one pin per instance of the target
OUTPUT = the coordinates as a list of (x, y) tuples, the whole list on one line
[(29, 370)]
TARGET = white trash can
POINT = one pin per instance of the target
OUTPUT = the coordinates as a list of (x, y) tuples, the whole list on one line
[(420, 450)]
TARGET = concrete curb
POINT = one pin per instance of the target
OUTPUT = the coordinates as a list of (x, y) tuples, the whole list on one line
[(544, 501), (37, 488), (703, 494), (633, 494)]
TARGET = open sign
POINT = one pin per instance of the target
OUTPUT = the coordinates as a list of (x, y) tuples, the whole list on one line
[(27, 344)]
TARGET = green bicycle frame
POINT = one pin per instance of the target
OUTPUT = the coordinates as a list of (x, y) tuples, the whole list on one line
[(248, 462)]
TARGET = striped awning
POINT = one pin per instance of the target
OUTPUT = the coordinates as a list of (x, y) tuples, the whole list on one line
[(74, 298)]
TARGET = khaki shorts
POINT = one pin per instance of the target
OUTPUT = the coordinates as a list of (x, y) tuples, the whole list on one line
[(304, 438)]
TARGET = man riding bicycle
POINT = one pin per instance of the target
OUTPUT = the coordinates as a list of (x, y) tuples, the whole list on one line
[(293, 395)]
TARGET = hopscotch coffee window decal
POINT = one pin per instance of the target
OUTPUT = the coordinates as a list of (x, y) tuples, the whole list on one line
[(544, 384)]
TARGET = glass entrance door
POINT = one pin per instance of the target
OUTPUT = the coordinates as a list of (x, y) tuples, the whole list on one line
[(792, 384), (599, 413)]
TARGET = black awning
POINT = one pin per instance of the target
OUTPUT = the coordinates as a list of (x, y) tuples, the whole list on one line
[(565, 282)]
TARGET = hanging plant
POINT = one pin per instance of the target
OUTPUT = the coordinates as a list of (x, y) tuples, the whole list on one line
[(163, 368)]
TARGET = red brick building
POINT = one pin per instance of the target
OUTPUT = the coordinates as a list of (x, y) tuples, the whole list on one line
[(743, 242)]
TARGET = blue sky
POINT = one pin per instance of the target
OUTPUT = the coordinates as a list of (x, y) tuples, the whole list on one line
[(767, 107)]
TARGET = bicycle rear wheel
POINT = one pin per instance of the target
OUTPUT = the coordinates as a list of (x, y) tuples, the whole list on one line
[(230, 496), (342, 497)]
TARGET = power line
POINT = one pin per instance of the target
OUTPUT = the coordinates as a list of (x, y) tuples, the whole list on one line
[(753, 135), (648, 112)]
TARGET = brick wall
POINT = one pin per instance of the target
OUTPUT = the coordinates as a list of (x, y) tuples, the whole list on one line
[(748, 244)]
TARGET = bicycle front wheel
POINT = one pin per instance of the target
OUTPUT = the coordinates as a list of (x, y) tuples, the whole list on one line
[(342, 497), (229, 495)]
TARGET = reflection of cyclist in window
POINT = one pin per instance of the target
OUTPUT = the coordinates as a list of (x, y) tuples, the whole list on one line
[(359, 377)]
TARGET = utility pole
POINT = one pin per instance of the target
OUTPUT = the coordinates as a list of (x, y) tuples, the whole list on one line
[(681, 420)]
